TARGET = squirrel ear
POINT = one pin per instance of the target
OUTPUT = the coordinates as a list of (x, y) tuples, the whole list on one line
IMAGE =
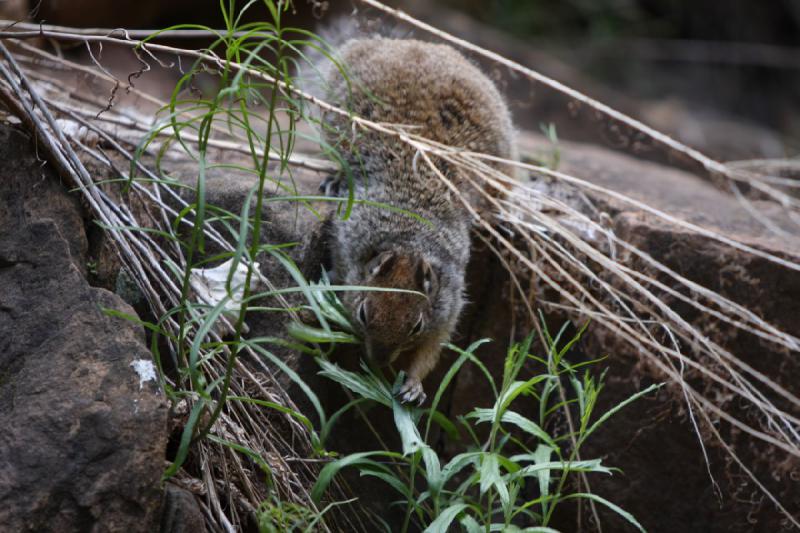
[(380, 263), (427, 279)]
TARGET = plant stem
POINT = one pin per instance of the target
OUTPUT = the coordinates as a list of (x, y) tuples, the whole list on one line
[(254, 243)]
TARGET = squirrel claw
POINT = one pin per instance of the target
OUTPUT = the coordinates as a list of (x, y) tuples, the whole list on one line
[(412, 391)]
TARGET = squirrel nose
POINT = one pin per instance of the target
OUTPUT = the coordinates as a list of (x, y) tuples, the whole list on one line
[(379, 353)]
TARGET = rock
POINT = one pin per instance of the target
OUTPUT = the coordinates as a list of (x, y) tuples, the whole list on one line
[(85, 423), (717, 135), (181, 513)]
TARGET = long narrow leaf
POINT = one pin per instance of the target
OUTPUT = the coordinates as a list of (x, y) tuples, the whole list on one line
[(608, 414), (616, 508), (357, 459), (443, 521)]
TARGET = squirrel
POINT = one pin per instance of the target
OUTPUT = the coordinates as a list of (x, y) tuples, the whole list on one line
[(441, 96)]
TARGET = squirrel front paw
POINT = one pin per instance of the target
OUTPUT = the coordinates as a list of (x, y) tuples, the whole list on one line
[(412, 391)]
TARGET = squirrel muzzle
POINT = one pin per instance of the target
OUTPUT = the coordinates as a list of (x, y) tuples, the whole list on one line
[(379, 353)]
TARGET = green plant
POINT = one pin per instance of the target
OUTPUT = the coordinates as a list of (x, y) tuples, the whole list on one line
[(253, 106), (254, 71), (487, 487)]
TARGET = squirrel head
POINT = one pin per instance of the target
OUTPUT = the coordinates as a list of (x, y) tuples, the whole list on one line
[(394, 322)]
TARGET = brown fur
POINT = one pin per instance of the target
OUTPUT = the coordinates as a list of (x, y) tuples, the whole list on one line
[(435, 93)]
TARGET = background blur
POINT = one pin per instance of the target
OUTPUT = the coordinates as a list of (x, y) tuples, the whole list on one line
[(723, 76), (732, 61)]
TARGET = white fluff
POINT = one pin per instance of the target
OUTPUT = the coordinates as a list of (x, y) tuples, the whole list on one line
[(209, 285)]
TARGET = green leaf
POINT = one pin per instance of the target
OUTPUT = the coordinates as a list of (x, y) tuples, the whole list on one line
[(608, 414), (616, 508), (592, 465), (470, 524), (155, 328), (186, 439), (291, 267), (409, 434), (513, 391), (314, 335), (448, 377), (540, 456), (282, 409), (247, 451), (478, 363), (202, 332), (445, 423), (458, 463), (360, 460), (445, 518), (366, 386), (277, 361), (326, 428), (241, 241), (489, 471), (512, 417), (433, 471), (391, 479)]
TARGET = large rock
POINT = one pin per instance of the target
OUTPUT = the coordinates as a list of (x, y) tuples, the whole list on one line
[(666, 483), (84, 425)]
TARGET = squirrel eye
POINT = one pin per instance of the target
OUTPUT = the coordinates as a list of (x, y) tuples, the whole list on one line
[(417, 329), (362, 312)]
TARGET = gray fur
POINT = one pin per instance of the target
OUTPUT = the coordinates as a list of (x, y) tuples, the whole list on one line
[(441, 96)]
